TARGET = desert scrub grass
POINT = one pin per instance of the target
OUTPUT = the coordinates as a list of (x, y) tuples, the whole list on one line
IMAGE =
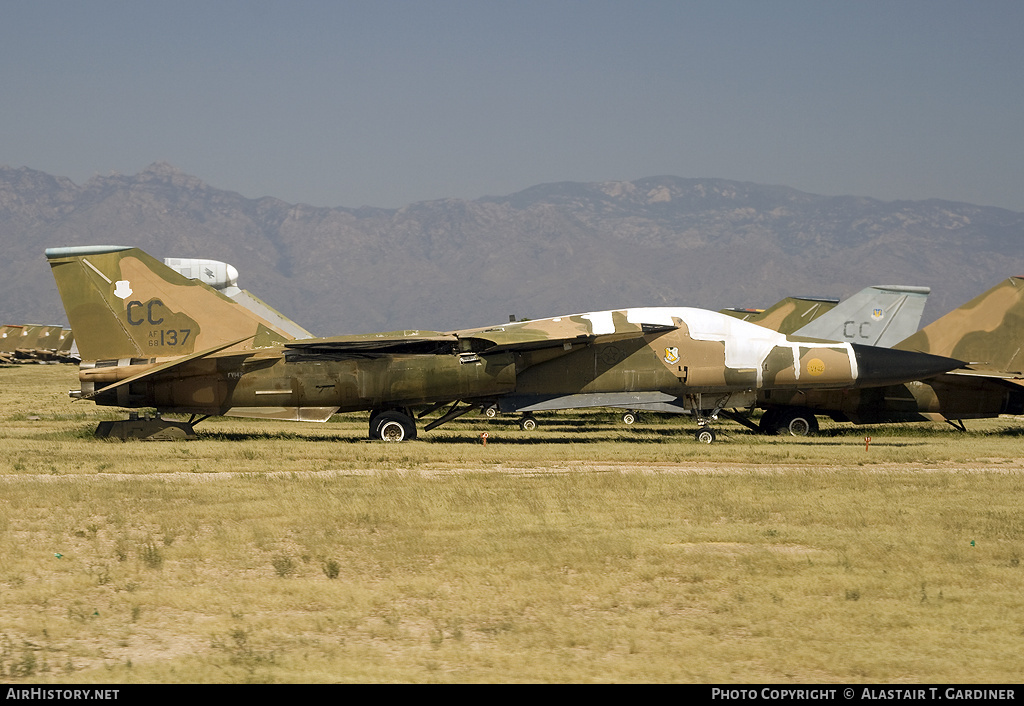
[(584, 552), (564, 577)]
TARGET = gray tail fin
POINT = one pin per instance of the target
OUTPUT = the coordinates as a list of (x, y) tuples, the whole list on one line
[(877, 316)]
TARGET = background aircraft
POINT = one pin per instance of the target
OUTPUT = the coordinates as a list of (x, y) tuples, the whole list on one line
[(988, 331), (20, 343), (882, 315), (224, 278), (785, 316)]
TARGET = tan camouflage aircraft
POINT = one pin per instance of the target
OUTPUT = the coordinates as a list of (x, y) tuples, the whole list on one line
[(33, 343), (785, 316), (151, 337), (988, 332)]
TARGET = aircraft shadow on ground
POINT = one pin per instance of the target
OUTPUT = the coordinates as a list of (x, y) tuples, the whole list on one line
[(605, 432), (516, 439)]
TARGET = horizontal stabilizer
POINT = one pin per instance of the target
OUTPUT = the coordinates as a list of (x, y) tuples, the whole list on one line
[(149, 372)]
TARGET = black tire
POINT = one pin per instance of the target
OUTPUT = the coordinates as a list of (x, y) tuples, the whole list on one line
[(706, 436), (796, 422), (374, 414), (629, 418), (767, 423), (392, 426), (528, 422), (490, 412)]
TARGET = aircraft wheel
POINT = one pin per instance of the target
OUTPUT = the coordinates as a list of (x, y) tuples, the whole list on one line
[(491, 412), (797, 422), (767, 423), (706, 436), (528, 423), (629, 418), (393, 426)]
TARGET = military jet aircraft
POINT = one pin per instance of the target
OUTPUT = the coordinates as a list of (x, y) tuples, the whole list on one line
[(988, 331), (785, 316), (151, 337)]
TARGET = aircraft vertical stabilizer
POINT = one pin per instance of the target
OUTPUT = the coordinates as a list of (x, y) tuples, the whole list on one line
[(987, 331), (877, 316), (124, 304)]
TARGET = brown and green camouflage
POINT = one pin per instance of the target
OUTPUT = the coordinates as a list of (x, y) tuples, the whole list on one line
[(33, 343), (786, 316), (149, 337), (124, 304), (987, 333)]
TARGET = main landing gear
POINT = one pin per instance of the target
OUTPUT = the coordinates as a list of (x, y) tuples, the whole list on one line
[(794, 421), (528, 422), (392, 425)]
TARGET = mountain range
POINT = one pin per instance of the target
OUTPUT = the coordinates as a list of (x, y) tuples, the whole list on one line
[(551, 249)]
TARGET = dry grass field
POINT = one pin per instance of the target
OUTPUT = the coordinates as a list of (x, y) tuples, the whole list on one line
[(586, 551)]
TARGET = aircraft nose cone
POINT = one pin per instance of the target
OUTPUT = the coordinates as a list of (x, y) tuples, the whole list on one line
[(885, 366)]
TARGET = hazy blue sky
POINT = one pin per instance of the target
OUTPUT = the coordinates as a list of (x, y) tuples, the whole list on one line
[(387, 102)]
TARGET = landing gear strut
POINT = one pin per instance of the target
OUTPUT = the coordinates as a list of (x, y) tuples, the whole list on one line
[(705, 434)]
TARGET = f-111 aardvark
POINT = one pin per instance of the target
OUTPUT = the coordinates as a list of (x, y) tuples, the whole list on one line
[(151, 338)]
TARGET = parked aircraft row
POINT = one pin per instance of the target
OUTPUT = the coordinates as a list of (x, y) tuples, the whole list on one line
[(153, 337), (33, 343)]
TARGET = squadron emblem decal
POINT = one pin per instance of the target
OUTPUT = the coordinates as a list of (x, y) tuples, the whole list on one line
[(672, 355), (876, 314), (122, 289)]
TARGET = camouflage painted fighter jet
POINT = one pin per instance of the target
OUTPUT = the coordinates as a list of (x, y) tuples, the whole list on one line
[(787, 315), (988, 332), (151, 337)]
